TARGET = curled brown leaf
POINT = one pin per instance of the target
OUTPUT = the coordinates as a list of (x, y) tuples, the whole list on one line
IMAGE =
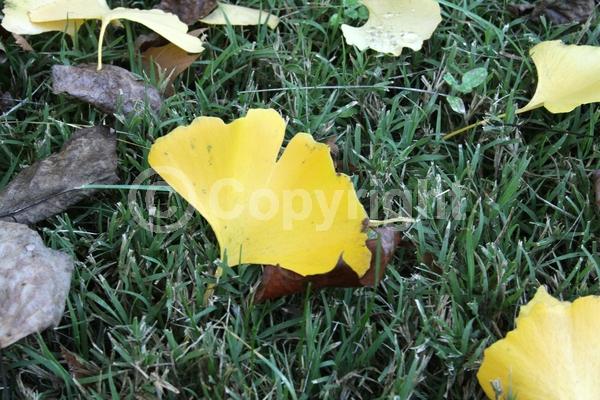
[(558, 11), (49, 186), (278, 282), (168, 62), (189, 11), (34, 283), (110, 89)]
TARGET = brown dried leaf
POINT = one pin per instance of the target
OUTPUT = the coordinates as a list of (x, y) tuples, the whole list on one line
[(108, 89), (34, 283), (168, 62), (48, 186), (278, 282), (189, 11), (78, 367), (558, 11), (22, 43)]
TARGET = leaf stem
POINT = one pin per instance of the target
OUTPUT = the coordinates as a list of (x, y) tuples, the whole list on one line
[(377, 223), (469, 127)]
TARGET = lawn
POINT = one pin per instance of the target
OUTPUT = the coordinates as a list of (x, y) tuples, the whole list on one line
[(144, 317)]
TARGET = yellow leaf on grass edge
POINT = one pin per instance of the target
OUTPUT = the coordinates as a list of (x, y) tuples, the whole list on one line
[(568, 76), (553, 354), (294, 211), (395, 24), (16, 19), (238, 15), (39, 12)]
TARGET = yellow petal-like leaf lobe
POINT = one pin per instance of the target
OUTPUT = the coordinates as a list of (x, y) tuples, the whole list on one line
[(395, 24), (238, 15), (568, 76), (16, 19), (553, 354), (294, 211)]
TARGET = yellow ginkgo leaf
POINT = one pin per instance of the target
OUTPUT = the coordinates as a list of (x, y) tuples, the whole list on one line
[(395, 24), (165, 24), (56, 10), (238, 15), (553, 354), (16, 19), (568, 76), (295, 211)]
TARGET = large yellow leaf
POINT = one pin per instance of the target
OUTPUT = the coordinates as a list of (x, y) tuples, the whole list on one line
[(294, 211), (395, 24), (16, 19), (238, 15), (568, 76), (57, 11), (554, 353)]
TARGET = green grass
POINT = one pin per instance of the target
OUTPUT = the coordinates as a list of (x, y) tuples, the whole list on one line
[(136, 319)]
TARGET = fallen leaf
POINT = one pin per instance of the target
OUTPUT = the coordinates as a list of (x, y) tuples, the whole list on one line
[(295, 212), (49, 186), (558, 11), (237, 15), (278, 282), (145, 41), (34, 283), (58, 11), (168, 62), (189, 11), (110, 89), (395, 24), (22, 43), (79, 367), (16, 19), (553, 354), (568, 76)]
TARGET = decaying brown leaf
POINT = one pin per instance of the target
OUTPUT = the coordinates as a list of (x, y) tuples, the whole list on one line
[(110, 89), (34, 283), (48, 186), (278, 282), (78, 367), (189, 11), (22, 43), (168, 62), (558, 11)]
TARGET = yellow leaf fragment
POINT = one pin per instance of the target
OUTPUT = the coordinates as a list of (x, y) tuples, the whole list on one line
[(16, 19), (553, 354), (568, 76), (395, 24), (295, 211), (238, 15), (57, 10)]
